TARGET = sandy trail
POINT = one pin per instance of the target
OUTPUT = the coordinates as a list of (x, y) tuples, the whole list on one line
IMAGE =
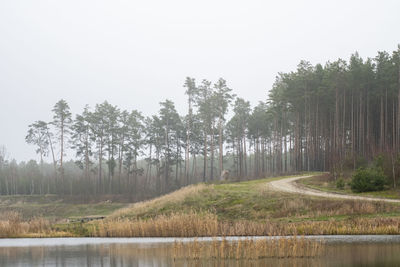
[(289, 185)]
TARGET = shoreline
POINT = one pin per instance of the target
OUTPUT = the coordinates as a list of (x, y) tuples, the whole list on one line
[(78, 241)]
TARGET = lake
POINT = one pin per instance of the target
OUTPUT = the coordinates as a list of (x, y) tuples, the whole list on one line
[(383, 250)]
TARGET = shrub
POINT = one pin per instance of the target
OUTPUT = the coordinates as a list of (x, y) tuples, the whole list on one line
[(366, 180), (340, 183)]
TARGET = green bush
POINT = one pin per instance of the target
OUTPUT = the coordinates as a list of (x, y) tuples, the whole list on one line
[(366, 180), (340, 183)]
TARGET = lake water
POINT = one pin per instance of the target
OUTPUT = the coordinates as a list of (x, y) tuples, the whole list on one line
[(340, 251)]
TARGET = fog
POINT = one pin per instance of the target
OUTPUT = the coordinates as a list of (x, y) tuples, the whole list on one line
[(135, 54)]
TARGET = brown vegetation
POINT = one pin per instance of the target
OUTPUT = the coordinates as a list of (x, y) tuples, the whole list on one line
[(11, 225), (248, 249), (169, 199), (206, 224), (308, 207), (176, 225)]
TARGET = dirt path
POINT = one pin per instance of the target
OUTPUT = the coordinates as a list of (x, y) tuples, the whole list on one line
[(289, 185)]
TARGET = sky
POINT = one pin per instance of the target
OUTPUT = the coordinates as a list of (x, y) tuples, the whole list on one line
[(135, 54)]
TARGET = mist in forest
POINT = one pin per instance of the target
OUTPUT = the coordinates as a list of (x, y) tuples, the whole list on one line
[(136, 55)]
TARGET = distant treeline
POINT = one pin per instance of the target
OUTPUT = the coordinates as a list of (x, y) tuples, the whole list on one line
[(319, 118)]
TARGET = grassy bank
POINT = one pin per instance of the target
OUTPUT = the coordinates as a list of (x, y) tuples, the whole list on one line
[(226, 209), (247, 208)]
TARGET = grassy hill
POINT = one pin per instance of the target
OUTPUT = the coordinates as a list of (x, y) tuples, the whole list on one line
[(252, 200), (247, 208)]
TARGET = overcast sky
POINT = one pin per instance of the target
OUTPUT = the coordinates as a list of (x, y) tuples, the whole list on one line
[(137, 53)]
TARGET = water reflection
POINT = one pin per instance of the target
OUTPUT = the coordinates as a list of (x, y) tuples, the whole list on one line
[(161, 254)]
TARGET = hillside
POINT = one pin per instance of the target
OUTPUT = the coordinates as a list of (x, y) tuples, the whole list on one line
[(247, 208)]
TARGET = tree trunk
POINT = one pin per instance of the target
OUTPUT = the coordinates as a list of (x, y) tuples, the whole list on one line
[(188, 133), (62, 150), (205, 157), (166, 159), (352, 131), (381, 137), (212, 153), (53, 156), (101, 189), (221, 151), (398, 114), (244, 155)]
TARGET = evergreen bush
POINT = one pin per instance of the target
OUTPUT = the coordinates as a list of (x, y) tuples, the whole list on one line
[(369, 179)]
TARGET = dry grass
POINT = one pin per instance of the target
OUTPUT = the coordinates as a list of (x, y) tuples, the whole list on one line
[(207, 224), (248, 249), (177, 225), (332, 227), (11, 225), (309, 207), (359, 226), (171, 198)]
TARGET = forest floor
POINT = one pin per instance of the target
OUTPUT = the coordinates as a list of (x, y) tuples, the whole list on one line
[(253, 207)]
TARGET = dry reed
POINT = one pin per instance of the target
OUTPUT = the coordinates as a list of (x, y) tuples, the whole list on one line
[(248, 249), (12, 225), (177, 225), (207, 224), (307, 207)]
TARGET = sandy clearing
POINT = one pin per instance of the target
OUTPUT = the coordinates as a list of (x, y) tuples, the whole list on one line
[(289, 185)]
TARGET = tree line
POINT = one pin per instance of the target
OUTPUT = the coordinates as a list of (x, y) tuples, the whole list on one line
[(338, 116), (120, 151), (331, 117)]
